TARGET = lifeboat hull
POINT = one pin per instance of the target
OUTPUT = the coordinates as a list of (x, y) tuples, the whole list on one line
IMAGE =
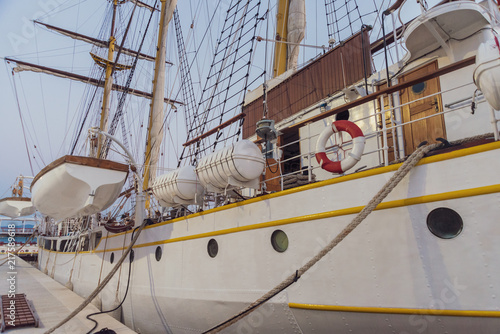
[(77, 186), (16, 207), (487, 72)]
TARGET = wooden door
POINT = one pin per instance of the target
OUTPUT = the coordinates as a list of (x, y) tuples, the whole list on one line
[(426, 129)]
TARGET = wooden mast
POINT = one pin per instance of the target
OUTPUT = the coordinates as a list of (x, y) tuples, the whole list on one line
[(156, 114), (280, 49), (108, 82)]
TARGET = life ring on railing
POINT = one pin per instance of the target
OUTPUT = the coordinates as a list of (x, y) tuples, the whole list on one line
[(358, 142)]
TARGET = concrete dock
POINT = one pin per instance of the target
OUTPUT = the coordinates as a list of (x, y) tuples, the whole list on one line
[(51, 300)]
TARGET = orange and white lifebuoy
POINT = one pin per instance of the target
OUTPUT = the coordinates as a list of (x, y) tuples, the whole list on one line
[(358, 142)]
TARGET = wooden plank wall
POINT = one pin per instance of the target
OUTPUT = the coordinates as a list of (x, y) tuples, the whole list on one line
[(321, 78)]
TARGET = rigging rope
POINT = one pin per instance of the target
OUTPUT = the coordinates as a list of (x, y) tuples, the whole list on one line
[(33, 132), (119, 110), (22, 123), (412, 160), (186, 87), (228, 73), (43, 96)]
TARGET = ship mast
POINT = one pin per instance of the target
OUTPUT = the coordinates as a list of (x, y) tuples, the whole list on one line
[(281, 35), (108, 82), (290, 31), (156, 114)]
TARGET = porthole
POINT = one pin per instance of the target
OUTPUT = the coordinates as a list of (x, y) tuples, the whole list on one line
[(212, 248), (418, 88), (158, 253), (279, 240), (445, 223), (131, 255), (112, 258), (342, 116)]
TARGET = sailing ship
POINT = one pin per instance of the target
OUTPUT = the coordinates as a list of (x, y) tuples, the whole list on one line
[(312, 147)]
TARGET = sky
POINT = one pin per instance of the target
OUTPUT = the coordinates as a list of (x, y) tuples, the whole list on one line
[(49, 105)]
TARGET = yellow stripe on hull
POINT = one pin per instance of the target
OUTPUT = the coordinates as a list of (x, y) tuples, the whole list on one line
[(330, 214), (355, 176), (394, 310)]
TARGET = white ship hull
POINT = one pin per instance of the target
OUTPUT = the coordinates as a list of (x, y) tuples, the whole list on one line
[(395, 273), (390, 274)]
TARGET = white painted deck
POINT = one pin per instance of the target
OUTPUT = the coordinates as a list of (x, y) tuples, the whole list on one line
[(53, 302)]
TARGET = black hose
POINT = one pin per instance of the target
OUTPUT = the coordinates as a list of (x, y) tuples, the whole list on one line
[(126, 290)]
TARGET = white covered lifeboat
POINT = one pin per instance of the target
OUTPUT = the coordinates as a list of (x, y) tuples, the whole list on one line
[(239, 164), (487, 71), (442, 26), (77, 186), (180, 186), (16, 207)]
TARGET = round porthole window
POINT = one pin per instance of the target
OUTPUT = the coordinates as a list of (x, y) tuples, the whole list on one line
[(279, 240), (418, 88), (342, 116), (112, 258), (131, 255), (212, 248), (158, 253), (445, 223)]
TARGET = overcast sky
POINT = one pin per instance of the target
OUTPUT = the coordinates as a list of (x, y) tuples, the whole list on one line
[(48, 104)]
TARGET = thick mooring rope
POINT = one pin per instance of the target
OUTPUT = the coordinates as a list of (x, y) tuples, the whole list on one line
[(103, 283), (412, 160)]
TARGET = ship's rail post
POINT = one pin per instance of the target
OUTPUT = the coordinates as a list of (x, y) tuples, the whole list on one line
[(385, 144), (393, 124), (309, 156), (398, 120)]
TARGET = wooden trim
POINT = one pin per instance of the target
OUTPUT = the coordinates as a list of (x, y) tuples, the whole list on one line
[(395, 6), (214, 130), (20, 199), (83, 161), (388, 90)]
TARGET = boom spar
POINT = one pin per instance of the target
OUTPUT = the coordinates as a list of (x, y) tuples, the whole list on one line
[(25, 66)]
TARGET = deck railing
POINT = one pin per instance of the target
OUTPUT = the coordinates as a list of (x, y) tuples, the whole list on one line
[(380, 133)]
